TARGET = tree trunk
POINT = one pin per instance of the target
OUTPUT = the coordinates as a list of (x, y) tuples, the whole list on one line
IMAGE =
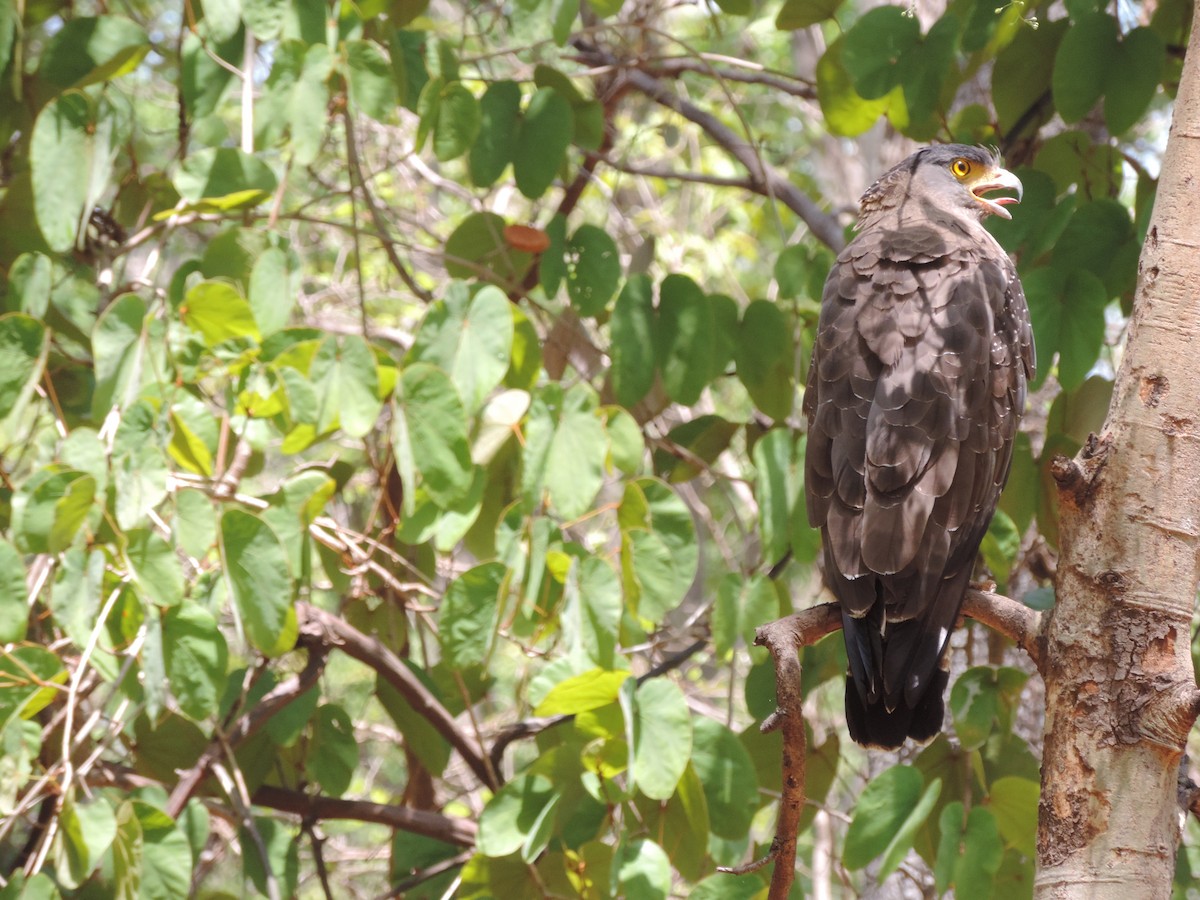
[(1121, 693)]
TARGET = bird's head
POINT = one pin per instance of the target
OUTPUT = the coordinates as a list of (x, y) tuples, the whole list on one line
[(947, 177)]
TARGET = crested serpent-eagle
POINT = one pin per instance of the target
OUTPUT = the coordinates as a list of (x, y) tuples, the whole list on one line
[(915, 392)]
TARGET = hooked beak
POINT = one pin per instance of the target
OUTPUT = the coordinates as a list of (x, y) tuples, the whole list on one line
[(996, 180)]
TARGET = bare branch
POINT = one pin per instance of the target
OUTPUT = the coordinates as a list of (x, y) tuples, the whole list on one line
[(320, 627), (763, 179), (1010, 618), (669, 174), (416, 821), (272, 702), (783, 638), (672, 67)]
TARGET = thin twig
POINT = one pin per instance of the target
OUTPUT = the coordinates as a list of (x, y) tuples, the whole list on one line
[(763, 179), (389, 245)]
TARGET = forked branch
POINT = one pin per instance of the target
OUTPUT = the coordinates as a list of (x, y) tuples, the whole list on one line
[(784, 638)]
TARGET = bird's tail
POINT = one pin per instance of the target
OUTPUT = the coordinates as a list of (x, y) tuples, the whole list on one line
[(873, 725)]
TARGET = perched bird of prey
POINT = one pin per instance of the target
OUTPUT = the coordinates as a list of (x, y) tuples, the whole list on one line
[(917, 386)]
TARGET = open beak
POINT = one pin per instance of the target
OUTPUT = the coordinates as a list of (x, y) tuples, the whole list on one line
[(997, 180)]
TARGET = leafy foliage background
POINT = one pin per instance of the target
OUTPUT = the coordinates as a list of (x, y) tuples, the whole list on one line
[(399, 446)]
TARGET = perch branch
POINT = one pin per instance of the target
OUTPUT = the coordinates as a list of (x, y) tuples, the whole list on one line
[(1008, 617), (783, 638)]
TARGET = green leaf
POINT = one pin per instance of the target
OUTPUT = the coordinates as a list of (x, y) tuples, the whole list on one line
[(1081, 66), (564, 13), (1000, 546), (470, 610), (344, 376), (565, 450), (886, 817), (218, 312), (742, 605), (727, 773), (499, 127), (87, 50), (659, 556), (685, 339), (25, 673), (260, 581), (643, 871), (632, 348), (430, 747), (681, 825), (429, 432), (50, 507), (282, 846), (14, 613), (591, 612), (1014, 803), (512, 814), (802, 13), (29, 284), (925, 68), (1132, 78), (458, 122), (583, 692), (970, 852), (272, 290), (662, 737), (215, 172), (74, 144), (154, 567), (974, 704), (369, 75), (1073, 158), (115, 352), (874, 46), (310, 92), (846, 112), (593, 269), (85, 832), (166, 856), (764, 355), (775, 490), (1022, 74), (333, 752), (542, 142), (1067, 311), (470, 338), (1094, 238), (264, 18), (23, 350), (606, 8), (727, 886), (196, 658), (478, 246), (552, 267)]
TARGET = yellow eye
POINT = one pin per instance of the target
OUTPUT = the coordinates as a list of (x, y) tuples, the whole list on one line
[(961, 168)]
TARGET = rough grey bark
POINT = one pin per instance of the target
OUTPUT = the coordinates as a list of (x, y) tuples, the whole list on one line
[(1121, 693)]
